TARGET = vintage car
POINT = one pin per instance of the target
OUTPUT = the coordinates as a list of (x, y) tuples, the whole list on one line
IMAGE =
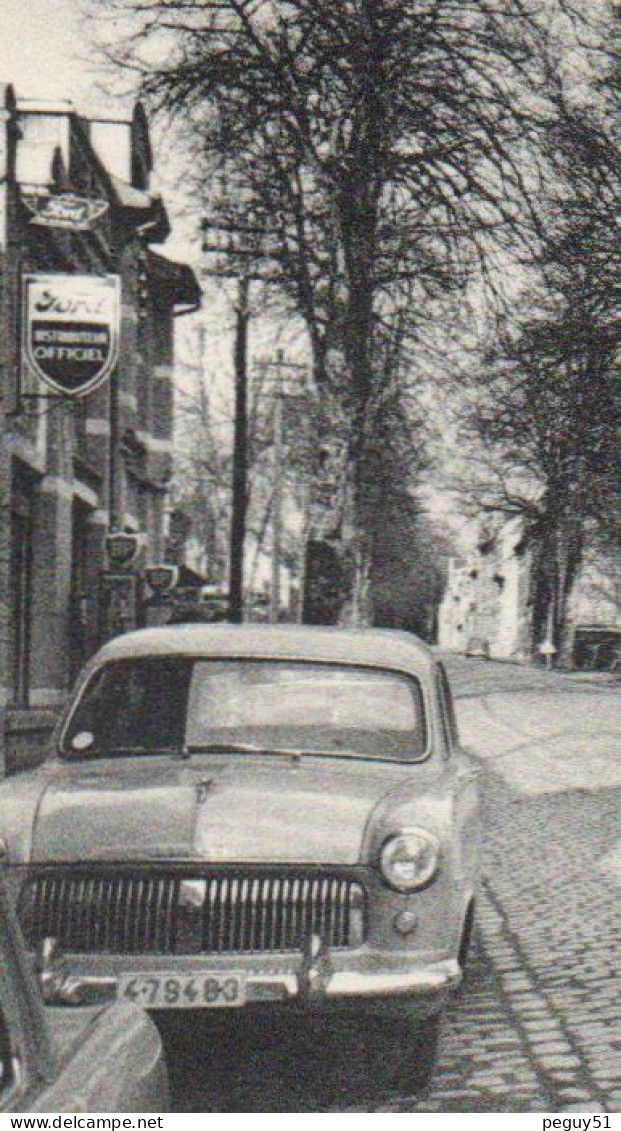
[(249, 817), (108, 1058)]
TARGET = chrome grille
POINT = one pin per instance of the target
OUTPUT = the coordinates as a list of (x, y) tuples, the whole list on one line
[(223, 912)]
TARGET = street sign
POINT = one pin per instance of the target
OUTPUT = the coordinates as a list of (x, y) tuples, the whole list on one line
[(63, 210), (70, 333), (122, 548), (162, 578)]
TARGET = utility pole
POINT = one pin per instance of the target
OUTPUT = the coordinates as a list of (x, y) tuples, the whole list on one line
[(230, 250), (282, 370), (240, 456), (238, 244)]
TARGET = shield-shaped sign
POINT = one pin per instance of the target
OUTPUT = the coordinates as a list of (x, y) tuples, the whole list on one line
[(71, 330), (162, 578), (64, 210), (122, 548)]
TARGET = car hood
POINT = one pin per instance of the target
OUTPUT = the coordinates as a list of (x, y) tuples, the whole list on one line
[(219, 810)]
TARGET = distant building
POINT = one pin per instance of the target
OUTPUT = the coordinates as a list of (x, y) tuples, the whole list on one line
[(595, 612), (75, 201), (487, 595), (486, 607)]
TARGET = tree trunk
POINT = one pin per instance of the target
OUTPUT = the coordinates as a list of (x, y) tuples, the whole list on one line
[(569, 559), (556, 561)]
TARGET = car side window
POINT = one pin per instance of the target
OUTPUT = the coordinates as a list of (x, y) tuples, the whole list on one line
[(449, 720)]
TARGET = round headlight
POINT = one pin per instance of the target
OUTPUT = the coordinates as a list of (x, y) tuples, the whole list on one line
[(410, 860)]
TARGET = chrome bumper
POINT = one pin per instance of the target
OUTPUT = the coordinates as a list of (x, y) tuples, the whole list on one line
[(313, 982), (444, 975)]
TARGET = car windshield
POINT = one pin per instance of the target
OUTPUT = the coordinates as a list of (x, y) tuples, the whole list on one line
[(183, 705)]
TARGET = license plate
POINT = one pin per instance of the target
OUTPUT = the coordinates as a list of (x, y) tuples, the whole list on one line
[(183, 991)]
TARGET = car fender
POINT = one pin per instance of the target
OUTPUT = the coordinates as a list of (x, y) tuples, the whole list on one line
[(116, 1064), (429, 805)]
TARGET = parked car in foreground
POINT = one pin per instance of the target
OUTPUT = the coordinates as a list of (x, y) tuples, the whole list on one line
[(236, 817), (105, 1059)]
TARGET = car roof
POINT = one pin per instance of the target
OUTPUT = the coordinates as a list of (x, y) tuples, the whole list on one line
[(374, 647)]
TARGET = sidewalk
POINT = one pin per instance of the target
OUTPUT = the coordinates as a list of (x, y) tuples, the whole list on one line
[(546, 741)]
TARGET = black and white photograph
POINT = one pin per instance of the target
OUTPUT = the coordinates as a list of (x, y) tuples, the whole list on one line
[(310, 346)]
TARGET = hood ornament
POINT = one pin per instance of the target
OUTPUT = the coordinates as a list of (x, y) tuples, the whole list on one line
[(203, 789)]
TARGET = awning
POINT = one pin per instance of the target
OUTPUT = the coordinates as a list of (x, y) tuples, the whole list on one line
[(189, 578), (176, 280), (143, 210)]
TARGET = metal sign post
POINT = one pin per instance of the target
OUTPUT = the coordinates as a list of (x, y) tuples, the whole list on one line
[(548, 651), (120, 602)]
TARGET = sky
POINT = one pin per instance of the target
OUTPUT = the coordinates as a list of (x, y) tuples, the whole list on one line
[(45, 54), (40, 46)]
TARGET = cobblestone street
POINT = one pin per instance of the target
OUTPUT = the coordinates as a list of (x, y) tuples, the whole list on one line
[(537, 1024), (549, 913)]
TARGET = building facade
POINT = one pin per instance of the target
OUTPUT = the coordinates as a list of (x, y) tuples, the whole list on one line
[(75, 203), (487, 604), (487, 595)]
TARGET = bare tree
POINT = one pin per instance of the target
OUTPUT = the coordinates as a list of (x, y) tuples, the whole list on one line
[(378, 146), (201, 487)]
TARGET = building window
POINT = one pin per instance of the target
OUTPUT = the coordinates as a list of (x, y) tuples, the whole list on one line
[(79, 620), (20, 585)]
